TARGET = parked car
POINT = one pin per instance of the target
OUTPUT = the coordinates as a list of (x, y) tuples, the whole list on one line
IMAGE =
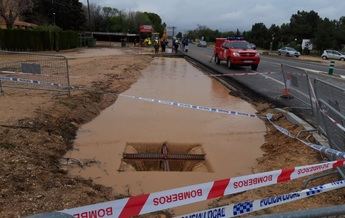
[(236, 52), (202, 43), (332, 54), (291, 52)]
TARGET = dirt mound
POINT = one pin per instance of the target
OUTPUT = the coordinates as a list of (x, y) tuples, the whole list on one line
[(31, 178)]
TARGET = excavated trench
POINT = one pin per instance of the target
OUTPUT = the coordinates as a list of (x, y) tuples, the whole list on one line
[(143, 147), (164, 157)]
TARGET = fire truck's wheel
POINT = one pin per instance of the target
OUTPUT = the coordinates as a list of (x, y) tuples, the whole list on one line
[(228, 64), (254, 67)]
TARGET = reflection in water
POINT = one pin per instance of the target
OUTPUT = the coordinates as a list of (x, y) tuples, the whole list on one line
[(229, 150)]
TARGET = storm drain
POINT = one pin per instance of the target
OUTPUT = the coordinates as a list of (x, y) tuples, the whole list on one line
[(164, 157)]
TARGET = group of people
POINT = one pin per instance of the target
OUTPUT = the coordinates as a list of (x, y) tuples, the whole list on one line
[(160, 43), (176, 44), (163, 43)]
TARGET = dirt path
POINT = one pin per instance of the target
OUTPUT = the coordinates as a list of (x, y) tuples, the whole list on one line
[(282, 152), (43, 129)]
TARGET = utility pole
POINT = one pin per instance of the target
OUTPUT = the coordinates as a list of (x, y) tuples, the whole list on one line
[(53, 12), (173, 30), (88, 11)]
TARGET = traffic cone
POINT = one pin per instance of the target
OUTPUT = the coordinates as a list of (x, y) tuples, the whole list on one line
[(286, 94)]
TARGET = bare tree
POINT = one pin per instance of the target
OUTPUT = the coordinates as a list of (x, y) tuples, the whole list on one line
[(10, 10)]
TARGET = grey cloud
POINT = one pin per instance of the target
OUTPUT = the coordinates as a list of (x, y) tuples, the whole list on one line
[(228, 14)]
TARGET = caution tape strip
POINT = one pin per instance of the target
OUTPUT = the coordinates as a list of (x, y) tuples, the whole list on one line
[(30, 81), (157, 201), (246, 207), (320, 148), (190, 106), (241, 74), (342, 128)]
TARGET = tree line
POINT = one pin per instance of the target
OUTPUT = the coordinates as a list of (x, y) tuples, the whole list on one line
[(107, 19), (73, 15), (323, 32)]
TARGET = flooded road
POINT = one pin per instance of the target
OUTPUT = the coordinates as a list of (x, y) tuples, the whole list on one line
[(231, 143)]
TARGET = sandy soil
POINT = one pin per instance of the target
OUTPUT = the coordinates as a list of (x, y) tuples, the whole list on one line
[(282, 152), (40, 129)]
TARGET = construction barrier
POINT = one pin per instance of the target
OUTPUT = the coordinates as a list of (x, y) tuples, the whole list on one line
[(296, 82), (335, 154), (247, 207), (26, 70), (148, 203)]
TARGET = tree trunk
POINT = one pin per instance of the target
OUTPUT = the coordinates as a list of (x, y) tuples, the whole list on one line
[(10, 19)]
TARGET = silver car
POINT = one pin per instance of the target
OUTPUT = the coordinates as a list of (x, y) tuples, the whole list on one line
[(291, 52), (202, 43), (332, 54)]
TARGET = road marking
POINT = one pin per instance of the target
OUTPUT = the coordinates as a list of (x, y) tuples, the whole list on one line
[(271, 62)]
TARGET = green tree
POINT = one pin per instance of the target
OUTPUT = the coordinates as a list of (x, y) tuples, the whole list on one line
[(260, 35), (156, 21), (325, 35), (275, 36), (179, 35), (304, 24), (69, 14)]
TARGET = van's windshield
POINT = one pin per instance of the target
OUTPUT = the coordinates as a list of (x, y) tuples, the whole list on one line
[(239, 45)]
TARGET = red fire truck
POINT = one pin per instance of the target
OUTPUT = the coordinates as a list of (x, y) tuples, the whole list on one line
[(236, 52)]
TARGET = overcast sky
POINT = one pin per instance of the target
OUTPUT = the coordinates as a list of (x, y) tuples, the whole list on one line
[(227, 14)]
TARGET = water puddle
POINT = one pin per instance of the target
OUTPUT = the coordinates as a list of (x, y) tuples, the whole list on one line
[(132, 129)]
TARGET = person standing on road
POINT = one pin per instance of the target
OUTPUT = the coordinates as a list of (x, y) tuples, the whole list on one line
[(163, 45), (185, 43), (156, 46), (175, 45)]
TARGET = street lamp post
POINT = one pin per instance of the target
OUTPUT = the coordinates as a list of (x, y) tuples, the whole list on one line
[(88, 11), (53, 12)]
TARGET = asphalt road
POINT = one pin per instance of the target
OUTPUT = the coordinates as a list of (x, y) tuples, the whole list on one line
[(270, 85)]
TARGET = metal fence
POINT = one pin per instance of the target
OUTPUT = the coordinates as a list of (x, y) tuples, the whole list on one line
[(296, 80), (34, 71), (331, 100), (325, 100)]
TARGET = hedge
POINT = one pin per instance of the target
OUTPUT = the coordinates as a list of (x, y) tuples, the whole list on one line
[(38, 40)]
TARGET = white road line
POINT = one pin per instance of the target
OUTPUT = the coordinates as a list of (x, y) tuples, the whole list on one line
[(271, 62)]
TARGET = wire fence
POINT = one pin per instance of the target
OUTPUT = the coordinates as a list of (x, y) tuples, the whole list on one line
[(326, 101), (296, 80), (331, 100), (34, 71)]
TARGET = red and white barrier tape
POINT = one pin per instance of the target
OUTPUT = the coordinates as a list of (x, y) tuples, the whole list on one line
[(190, 106), (246, 207), (157, 201), (320, 148), (333, 120)]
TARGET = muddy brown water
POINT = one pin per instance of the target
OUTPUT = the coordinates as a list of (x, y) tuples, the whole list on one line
[(231, 143)]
